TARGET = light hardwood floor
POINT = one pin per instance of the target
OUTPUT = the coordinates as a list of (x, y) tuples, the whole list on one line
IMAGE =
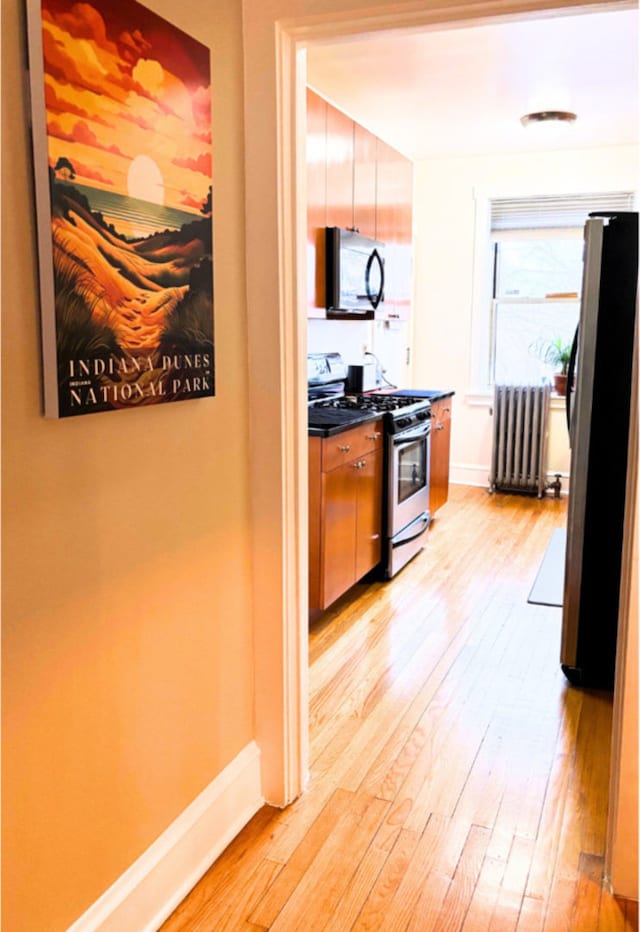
[(458, 783)]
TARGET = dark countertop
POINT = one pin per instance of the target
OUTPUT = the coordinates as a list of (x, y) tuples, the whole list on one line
[(433, 394), (325, 422)]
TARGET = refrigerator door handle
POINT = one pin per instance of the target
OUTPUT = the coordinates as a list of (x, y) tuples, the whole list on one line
[(571, 371)]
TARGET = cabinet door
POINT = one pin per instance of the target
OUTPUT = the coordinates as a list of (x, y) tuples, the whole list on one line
[(369, 516), (338, 543), (386, 222), (339, 169), (364, 181), (315, 520), (394, 227), (404, 236), (440, 454), (316, 202)]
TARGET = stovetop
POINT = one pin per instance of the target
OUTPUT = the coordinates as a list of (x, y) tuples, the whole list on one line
[(399, 412), (370, 402), (331, 410)]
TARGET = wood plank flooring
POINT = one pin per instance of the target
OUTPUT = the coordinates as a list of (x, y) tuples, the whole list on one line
[(458, 783)]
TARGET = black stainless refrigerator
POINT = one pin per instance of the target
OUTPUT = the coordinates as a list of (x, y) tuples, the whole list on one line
[(598, 409)]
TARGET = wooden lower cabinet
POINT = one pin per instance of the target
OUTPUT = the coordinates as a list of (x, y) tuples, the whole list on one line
[(440, 453), (345, 510)]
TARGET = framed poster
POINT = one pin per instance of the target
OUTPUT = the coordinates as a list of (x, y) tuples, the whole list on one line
[(121, 126)]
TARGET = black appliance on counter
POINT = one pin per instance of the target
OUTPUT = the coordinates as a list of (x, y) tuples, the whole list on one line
[(598, 411), (354, 274), (407, 428)]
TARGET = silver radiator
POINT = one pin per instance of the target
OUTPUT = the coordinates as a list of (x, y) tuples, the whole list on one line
[(520, 436)]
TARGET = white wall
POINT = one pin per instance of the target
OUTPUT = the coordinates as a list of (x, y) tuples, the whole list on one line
[(445, 223), (388, 340)]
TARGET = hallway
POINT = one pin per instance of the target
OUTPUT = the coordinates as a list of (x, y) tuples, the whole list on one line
[(457, 782)]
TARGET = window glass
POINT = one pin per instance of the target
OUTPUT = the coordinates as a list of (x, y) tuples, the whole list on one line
[(537, 285), (536, 268), (522, 332)]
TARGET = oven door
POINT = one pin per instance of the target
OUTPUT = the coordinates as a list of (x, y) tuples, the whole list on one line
[(409, 476)]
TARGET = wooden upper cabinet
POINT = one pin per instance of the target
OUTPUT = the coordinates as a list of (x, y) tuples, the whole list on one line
[(394, 227), (404, 236), (356, 181), (386, 221), (339, 169), (364, 181), (316, 202)]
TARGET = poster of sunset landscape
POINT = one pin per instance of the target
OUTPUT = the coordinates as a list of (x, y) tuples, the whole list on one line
[(122, 130)]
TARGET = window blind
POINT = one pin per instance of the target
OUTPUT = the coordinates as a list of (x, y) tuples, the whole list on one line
[(554, 211)]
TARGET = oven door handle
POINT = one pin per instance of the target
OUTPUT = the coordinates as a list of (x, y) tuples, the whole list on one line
[(401, 438), (424, 524)]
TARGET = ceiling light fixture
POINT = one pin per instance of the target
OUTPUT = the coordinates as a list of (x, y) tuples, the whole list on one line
[(548, 116)]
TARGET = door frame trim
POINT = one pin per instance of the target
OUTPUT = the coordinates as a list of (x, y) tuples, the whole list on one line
[(287, 766)]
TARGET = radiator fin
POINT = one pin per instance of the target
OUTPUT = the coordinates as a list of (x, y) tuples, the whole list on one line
[(520, 438)]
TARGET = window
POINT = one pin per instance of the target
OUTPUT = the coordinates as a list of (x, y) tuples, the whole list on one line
[(536, 261), (536, 299)]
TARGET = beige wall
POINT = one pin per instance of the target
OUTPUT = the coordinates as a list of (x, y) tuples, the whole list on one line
[(622, 860), (624, 830), (446, 255), (127, 641)]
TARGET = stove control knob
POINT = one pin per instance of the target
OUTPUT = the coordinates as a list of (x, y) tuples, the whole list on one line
[(403, 421), (422, 415)]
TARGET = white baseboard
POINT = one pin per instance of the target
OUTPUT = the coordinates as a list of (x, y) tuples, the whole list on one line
[(469, 474), (477, 475), (148, 892)]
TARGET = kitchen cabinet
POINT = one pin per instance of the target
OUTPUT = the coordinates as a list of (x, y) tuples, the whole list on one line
[(339, 169), (394, 227), (364, 181), (316, 202), (345, 510), (362, 184), (440, 453)]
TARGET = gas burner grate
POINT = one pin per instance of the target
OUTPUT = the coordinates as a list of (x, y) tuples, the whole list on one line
[(377, 403)]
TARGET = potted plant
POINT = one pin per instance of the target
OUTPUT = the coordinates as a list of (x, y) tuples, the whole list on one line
[(556, 353)]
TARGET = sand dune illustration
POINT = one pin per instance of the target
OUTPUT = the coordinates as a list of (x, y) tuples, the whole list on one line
[(130, 295)]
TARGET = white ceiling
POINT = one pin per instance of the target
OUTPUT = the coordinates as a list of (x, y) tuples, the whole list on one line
[(463, 90)]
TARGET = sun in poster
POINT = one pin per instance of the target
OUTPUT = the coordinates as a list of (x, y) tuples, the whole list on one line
[(127, 106)]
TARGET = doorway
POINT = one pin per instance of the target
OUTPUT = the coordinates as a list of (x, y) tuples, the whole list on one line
[(286, 753)]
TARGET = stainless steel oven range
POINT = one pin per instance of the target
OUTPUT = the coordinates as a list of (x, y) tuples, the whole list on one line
[(407, 423), (408, 444)]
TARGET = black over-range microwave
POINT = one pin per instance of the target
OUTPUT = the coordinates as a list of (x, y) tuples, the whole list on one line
[(355, 274)]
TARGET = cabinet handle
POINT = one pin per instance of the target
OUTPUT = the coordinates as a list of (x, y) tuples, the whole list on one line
[(440, 427), (373, 436), (345, 448), (360, 465)]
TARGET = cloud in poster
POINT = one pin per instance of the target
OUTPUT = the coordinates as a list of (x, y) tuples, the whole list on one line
[(86, 173), (187, 200), (57, 103), (83, 135), (200, 164)]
